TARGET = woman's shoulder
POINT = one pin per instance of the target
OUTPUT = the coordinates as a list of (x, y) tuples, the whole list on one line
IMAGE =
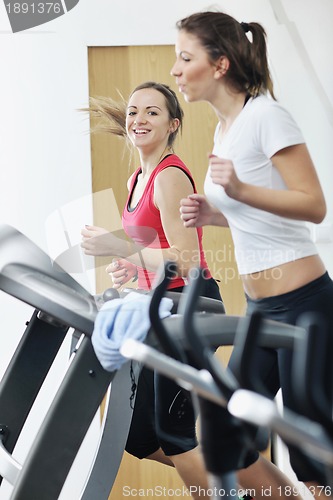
[(170, 161), (172, 166), (273, 126), (265, 105)]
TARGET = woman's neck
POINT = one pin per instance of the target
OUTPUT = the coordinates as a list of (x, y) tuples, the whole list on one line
[(149, 161), (227, 107)]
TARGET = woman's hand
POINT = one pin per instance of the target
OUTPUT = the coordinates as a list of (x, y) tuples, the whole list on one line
[(98, 241), (222, 172), (121, 271), (197, 212)]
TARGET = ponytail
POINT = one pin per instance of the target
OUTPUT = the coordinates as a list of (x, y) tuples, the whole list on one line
[(259, 77), (221, 35)]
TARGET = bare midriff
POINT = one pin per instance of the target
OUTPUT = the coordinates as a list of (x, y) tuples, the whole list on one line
[(284, 278)]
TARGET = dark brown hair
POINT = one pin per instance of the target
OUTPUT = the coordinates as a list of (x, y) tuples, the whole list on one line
[(221, 35)]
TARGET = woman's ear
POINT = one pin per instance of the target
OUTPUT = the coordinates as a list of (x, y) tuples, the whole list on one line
[(174, 125), (221, 67)]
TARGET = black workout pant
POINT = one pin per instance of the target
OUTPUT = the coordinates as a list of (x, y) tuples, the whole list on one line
[(163, 415), (274, 366)]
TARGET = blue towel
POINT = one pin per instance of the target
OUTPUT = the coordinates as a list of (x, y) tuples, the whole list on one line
[(122, 319)]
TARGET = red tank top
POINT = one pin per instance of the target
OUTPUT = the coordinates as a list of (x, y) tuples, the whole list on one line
[(143, 222)]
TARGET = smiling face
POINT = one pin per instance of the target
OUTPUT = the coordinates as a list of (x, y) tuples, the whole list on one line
[(148, 123), (195, 74)]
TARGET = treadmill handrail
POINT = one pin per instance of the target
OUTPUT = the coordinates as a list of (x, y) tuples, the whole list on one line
[(28, 274), (292, 428)]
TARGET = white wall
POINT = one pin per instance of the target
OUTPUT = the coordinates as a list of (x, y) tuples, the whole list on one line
[(44, 147)]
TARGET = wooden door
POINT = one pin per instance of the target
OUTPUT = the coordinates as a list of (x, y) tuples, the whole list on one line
[(120, 69)]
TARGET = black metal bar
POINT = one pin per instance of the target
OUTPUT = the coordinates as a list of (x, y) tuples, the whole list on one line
[(26, 373), (312, 370), (219, 329), (165, 340), (64, 428), (245, 344)]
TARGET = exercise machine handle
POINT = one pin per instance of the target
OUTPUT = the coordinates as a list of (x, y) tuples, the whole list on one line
[(167, 343), (201, 351)]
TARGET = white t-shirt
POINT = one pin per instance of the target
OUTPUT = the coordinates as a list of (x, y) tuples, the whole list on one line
[(262, 240)]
